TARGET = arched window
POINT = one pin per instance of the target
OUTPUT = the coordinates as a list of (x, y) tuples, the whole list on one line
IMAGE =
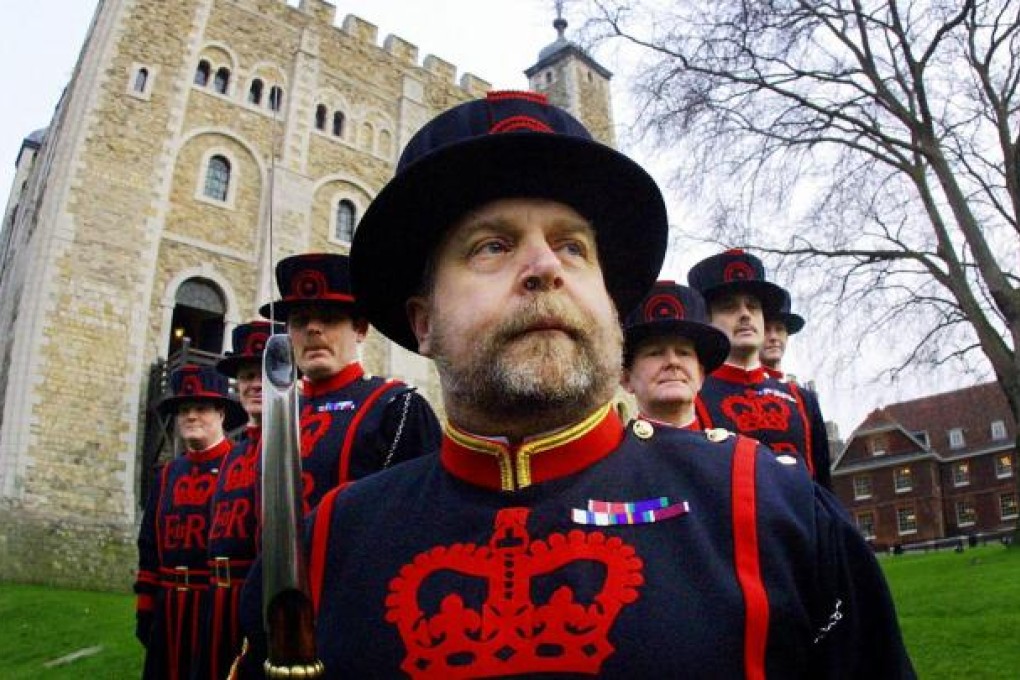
[(338, 124), (346, 215), (198, 315), (202, 73), (255, 92), (320, 117), (275, 98), (141, 79), (217, 178), (222, 80)]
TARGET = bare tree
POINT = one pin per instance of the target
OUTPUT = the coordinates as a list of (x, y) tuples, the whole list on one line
[(893, 124)]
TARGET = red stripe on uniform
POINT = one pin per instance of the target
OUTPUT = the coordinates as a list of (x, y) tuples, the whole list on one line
[(809, 453), (320, 541), (745, 557), (352, 429), (702, 412)]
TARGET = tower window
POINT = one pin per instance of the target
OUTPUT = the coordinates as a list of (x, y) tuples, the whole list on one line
[(222, 80), (320, 117), (255, 92), (338, 124), (217, 178), (346, 215), (141, 79), (275, 98), (202, 73)]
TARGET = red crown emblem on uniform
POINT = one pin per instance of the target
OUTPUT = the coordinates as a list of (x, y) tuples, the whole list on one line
[(752, 411), (510, 633), (194, 489), (240, 474)]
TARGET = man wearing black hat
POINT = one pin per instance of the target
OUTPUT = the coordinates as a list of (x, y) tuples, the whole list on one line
[(352, 424), (740, 395), (173, 581), (234, 530), (778, 329), (547, 537), (669, 348)]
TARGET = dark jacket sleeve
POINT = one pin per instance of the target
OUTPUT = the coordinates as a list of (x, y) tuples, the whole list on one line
[(146, 585), (858, 634), (409, 428), (819, 439)]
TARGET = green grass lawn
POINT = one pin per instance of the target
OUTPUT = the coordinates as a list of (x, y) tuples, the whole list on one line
[(959, 612), (960, 615), (39, 625)]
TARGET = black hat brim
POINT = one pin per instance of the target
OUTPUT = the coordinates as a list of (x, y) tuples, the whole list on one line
[(711, 344), (406, 221), (793, 322), (230, 365), (771, 296), (235, 415), (281, 309)]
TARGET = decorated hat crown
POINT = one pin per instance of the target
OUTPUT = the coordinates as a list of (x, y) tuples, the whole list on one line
[(198, 382)]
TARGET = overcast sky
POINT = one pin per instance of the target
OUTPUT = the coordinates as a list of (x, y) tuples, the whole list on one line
[(493, 40)]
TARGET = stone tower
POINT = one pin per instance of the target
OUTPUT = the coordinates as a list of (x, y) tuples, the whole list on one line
[(142, 215)]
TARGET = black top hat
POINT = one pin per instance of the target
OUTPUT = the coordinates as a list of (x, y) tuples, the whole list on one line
[(191, 383), (249, 340), (793, 322), (508, 145), (733, 271), (672, 309), (319, 279)]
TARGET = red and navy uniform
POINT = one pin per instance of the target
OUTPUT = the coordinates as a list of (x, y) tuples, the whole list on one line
[(173, 543), (782, 415), (233, 546), (594, 550), (353, 425)]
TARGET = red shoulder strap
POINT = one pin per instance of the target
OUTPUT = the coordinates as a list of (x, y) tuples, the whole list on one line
[(320, 541), (352, 429), (745, 557), (809, 453), (702, 412)]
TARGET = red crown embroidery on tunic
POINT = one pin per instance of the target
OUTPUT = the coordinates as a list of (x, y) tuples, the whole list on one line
[(240, 474), (194, 489), (511, 634), (752, 411)]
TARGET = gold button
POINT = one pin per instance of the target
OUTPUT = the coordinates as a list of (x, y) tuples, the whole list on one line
[(643, 429)]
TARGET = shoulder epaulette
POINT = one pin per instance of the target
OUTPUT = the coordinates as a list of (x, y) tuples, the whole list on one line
[(718, 434)]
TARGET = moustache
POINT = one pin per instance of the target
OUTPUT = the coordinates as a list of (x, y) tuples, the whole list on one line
[(543, 314)]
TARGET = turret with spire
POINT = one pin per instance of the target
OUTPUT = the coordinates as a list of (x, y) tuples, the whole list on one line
[(573, 80)]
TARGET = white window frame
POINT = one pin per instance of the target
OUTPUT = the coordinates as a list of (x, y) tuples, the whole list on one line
[(1002, 505), (962, 505), (965, 465), (1001, 471), (858, 494), (899, 521), (896, 480), (956, 440), (998, 429), (860, 525)]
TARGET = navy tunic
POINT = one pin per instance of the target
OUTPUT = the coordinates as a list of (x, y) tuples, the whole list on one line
[(782, 415), (173, 581), (353, 425), (655, 552)]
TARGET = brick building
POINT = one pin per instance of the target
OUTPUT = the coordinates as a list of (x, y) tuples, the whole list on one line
[(931, 468), (140, 216)]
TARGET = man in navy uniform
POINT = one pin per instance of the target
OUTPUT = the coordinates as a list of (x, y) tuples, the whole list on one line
[(669, 348), (173, 581), (547, 537), (234, 529), (740, 395), (352, 424), (778, 329)]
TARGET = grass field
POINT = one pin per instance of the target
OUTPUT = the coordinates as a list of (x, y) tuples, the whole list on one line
[(960, 614)]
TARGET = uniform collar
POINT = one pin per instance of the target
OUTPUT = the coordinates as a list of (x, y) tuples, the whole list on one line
[(742, 376), (345, 377), (217, 450), (774, 373), (693, 426), (492, 463)]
